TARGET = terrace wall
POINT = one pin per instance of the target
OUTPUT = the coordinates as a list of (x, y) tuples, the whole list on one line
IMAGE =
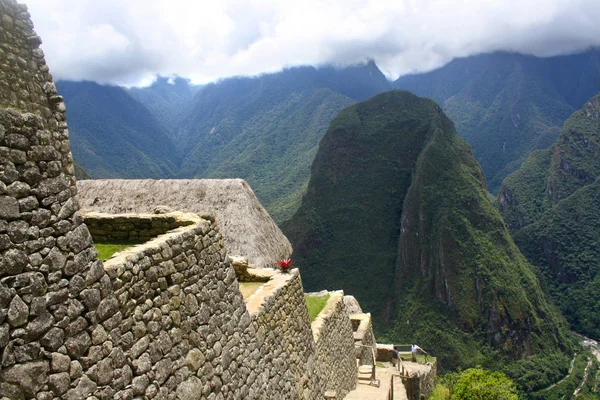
[(332, 332)]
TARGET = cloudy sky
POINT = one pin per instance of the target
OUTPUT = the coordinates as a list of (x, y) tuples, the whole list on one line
[(128, 42)]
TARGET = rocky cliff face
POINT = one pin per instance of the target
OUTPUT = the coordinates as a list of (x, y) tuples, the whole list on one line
[(397, 211), (551, 206)]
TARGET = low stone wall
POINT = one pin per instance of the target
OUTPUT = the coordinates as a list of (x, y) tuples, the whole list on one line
[(364, 338), (428, 380), (279, 314), (132, 227), (332, 332), (246, 272), (169, 322)]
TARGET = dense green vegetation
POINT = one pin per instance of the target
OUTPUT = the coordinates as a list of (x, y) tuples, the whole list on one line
[(107, 249), (565, 244), (566, 387), (112, 135), (397, 210), (475, 384), (266, 129), (552, 204), (315, 304), (507, 105)]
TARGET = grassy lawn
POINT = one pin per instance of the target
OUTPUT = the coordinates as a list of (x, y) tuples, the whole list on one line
[(247, 288), (106, 250), (421, 359), (315, 304)]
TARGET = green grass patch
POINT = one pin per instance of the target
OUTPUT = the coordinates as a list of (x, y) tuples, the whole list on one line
[(315, 304), (107, 249), (440, 392), (248, 288)]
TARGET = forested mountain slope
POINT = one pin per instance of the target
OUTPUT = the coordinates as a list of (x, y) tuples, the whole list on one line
[(397, 214), (266, 129), (114, 135), (168, 99), (263, 129), (552, 205)]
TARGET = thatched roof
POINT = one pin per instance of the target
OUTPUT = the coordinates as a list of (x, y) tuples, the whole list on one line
[(247, 228)]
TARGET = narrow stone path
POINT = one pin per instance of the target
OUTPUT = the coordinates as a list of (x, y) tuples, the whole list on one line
[(368, 392)]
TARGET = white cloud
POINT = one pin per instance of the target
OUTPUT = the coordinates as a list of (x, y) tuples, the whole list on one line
[(130, 41)]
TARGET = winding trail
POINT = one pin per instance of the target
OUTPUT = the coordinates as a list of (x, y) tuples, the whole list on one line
[(572, 364), (593, 346)]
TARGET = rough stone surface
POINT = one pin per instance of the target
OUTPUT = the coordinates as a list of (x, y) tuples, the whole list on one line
[(332, 331)]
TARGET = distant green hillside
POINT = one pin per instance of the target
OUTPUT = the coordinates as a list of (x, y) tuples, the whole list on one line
[(266, 129), (169, 100), (507, 105), (114, 136), (552, 204), (397, 214)]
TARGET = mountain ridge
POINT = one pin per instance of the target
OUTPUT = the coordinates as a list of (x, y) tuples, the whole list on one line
[(445, 269)]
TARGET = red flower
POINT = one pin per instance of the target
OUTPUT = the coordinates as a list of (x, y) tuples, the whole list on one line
[(285, 264)]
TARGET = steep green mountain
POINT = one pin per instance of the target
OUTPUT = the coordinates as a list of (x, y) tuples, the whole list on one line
[(552, 204), (266, 129), (168, 99), (507, 105), (397, 213), (114, 136)]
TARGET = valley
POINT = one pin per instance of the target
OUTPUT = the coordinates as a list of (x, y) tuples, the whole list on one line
[(266, 129)]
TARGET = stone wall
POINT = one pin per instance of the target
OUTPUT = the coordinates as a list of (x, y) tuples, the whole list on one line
[(364, 338), (332, 332), (283, 332), (428, 380), (173, 319), (46, 257), (131, 227)]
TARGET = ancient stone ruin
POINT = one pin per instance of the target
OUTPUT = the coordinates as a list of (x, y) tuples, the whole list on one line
[(164, 319)]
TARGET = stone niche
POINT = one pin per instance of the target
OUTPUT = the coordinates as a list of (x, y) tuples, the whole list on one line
[(133, 227)]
